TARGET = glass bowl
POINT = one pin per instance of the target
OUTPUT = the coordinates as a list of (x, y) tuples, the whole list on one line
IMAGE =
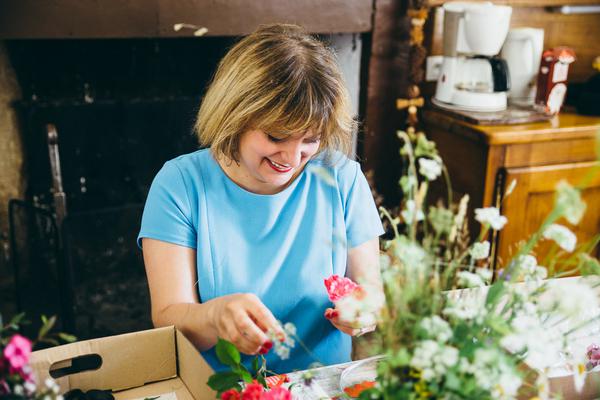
[(360, 371)]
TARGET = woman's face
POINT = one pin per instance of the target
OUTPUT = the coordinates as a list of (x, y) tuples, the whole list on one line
[(268, 162)]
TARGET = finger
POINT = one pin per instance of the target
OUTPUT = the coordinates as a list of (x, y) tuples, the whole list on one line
[(250, 331), (331, 313), (345, 329), (263, 317), (238, 339)]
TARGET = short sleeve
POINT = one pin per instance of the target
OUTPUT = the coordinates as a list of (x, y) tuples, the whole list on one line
[(360, 213), (167, 214)]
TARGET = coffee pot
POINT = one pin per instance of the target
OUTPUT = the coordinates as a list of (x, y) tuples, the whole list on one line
[(472, 76), (522, 51)]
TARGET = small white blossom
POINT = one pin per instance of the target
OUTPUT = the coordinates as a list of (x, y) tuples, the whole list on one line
[(526, 265), (29, 387), (490, 216), (469, 279), (484, 273), (562, 236), (429, 168), (282, 351), (408, 214), (480, 250), (436, 328), (433, 359), (569, 298), (568, 199), (467, 308), (289, 328), (18, 390)]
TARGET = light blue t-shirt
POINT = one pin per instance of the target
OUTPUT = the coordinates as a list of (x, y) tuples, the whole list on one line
[(280, 247)]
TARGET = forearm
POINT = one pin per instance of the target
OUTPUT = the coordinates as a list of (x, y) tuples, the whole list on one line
[(194, 320)]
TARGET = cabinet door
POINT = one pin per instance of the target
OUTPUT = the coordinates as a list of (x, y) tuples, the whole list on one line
[(533, 199)]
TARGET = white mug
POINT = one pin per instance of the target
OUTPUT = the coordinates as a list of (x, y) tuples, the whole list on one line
[(522, 51)]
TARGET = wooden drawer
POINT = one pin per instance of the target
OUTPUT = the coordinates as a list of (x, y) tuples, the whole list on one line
[(552, 152)]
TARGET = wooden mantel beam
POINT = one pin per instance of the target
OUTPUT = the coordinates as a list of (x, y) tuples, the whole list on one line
[(34, 19)]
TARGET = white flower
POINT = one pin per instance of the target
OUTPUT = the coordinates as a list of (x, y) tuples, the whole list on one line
[(29, 387), (18, 390), (469, 279), (543, 345), (484, 273), (433, 359), (362, 306), (527, 266), (569, 298), (490, 216), (568, 199), (282, 351), (429, 168), (562, 236), (480, 250), (408, 214), (466, 308), (436, 328), (289, 328), (411, 255)]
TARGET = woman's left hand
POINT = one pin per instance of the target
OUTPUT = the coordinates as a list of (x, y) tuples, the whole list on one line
[(351, 328)]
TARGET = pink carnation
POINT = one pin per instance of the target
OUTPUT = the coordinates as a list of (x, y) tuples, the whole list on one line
[(253, 391), (338, 287), (277, 393), (230, 394), (17, 351)]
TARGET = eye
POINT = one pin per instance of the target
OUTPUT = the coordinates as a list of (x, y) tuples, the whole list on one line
[(274, 139), (315, 139)]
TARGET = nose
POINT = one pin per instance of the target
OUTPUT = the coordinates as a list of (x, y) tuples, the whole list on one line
[(292, 152)]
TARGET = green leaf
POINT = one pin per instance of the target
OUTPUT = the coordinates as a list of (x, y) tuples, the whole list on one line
[(261, 379), (222, 381), (227, 353), (48, 324), (243, 373), (494, 293), (255, 364), (452, 381), (66, 337)]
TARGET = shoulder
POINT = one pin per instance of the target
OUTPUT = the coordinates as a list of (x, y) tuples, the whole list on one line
[(184, 172), (338, 166), (337, 171)]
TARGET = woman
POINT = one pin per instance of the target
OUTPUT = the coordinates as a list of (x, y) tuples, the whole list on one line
[(241, 235)]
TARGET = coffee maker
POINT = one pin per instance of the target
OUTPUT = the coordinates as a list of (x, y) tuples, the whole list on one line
[(472, 77)]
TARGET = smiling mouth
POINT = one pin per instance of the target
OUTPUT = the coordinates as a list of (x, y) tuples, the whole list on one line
[(279, 167)]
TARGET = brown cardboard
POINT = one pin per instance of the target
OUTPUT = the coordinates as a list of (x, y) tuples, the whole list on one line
[(134, 365)]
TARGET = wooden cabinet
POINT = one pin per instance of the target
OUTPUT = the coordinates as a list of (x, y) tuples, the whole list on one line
[(483, 160)]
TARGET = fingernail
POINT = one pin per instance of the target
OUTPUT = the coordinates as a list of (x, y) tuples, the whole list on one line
[(334, 314), (268, 345)]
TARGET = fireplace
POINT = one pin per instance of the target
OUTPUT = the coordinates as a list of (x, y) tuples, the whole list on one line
[(121, 108)]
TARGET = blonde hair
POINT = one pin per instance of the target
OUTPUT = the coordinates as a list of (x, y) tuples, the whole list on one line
[(280, 80)]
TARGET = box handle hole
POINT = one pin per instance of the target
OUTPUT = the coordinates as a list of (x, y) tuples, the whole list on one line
[(75, 365)]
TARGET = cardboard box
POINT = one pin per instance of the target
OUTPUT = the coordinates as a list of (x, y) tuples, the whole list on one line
[(156, 362)]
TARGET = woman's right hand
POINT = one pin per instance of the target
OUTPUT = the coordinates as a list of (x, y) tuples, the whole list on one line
[(244, 320)]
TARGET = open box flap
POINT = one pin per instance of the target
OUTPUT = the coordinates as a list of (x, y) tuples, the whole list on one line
[(128, 360), (194, 371)]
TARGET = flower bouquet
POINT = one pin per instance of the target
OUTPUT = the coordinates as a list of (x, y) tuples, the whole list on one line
[(16, 377), (451, 328)]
